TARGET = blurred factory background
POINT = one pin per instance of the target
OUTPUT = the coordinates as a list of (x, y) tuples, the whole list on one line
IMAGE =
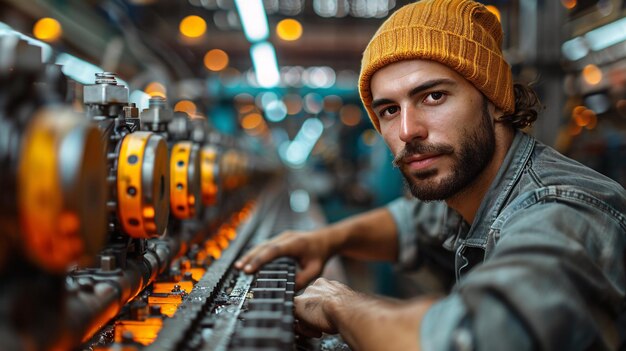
[(280, 77), (263, 68)]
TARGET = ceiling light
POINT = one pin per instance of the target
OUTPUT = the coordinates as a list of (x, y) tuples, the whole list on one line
[(253, 19)]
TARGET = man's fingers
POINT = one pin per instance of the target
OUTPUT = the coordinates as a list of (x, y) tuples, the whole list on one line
[(309, 271), (303, 329), (243, 261), (258, 256)]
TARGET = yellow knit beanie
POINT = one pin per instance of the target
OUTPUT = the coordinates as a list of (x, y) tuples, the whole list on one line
[(461, 34)]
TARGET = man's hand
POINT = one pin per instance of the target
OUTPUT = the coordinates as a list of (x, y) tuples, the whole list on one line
[(313, 307), (364, 322), (310, 249)]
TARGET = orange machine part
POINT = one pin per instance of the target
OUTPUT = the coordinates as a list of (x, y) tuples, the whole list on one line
[(142, 190), (129, 189), (181, 201), (52, 229), (208, 176), (144, 332), (169, 303), (167, 287), (41, 200), (196, 273)]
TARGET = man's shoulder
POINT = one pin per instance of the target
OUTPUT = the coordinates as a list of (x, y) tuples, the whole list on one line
[(549, 169), (551, 180)]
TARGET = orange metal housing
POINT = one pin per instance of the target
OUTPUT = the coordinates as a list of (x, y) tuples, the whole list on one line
[(144, 332), (62, 211), (142, 184), (182, 200), (208, 175)]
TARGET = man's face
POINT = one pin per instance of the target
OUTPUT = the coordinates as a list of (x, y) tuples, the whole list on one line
[(437, 125)]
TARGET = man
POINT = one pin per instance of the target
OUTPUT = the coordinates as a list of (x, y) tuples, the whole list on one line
[(534, 241)]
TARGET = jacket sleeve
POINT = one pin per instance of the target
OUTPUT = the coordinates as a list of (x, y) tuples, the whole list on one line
[(554, 281)]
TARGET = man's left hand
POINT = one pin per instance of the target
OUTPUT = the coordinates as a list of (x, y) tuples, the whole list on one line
[(313, 306), (364, 322)]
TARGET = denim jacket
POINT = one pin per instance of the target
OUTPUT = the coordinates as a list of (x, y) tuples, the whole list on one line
[(541, 268)]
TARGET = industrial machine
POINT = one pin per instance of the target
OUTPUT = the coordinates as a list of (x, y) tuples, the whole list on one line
[(119, 228)]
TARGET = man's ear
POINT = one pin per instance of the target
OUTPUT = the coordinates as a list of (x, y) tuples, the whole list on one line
[(495, 112)]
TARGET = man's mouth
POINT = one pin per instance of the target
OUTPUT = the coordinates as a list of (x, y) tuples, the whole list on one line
[(420, 162)]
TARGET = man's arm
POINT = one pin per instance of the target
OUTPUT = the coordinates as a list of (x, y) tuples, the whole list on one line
[(368, 236), (371, 235), (364, 322)]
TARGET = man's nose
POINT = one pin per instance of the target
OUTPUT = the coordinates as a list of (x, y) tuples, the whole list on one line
[(411, 125)]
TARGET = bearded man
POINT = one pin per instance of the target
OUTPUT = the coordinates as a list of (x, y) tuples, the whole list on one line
[(533, 241)]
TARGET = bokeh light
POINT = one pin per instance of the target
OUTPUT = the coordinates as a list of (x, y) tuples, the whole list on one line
[(313, 103), (192, 26), (592, 74), (155, 89), (216, 60), (569, 4), (251, 121), (332, 103), (369, 137), (289, 29), (293, 102), (276, 111), (47, 29), (350, 115), (186, 106)]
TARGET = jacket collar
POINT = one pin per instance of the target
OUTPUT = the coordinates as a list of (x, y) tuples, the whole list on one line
[(500, 189)]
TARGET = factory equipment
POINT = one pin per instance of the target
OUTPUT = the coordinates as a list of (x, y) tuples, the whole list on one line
[(119, 228)]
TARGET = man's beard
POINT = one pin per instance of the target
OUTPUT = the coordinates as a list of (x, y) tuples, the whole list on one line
[(476, 151)]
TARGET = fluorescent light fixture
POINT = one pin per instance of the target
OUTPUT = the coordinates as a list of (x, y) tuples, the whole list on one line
[(607, 35), (77, 69), (575, 49), (73, 67), (265, 65), (596, 40), (81, 70), (253, 19)]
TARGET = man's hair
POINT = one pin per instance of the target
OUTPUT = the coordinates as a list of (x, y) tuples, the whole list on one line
[(527, 106)]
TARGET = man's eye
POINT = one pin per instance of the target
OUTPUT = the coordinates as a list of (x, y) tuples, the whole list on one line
[(435, 98), (388, 111)]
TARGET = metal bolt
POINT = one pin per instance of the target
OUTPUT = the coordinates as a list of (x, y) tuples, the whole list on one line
[(156, 101), (187, 276), (107, 263), (106, 78), (131, 111)]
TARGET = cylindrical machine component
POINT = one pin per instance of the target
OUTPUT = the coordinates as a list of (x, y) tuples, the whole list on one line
[(209, 170), (234, 169), (185, 189), (143, 184), (61, 190)]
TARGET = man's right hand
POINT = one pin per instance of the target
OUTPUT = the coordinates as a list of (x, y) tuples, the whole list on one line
[(310, 249)]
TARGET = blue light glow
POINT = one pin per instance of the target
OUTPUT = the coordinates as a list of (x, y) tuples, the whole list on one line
[(607, 35)]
